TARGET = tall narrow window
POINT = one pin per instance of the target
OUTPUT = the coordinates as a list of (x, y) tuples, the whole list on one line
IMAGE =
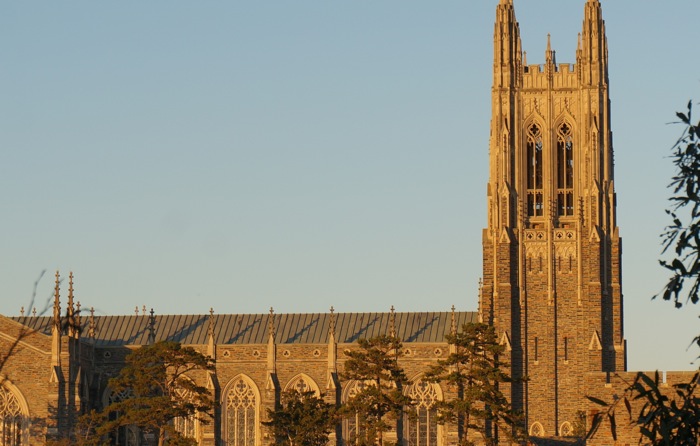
[(537, 348), (241, 406), (11, 419), (186, 426), (421, 429), (354, 426), (129, 435), (535, 193), (565, 171)]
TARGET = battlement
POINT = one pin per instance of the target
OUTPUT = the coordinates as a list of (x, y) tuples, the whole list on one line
[(564, 76)]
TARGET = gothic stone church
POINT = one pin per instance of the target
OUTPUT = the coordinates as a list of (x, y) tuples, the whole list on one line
[(551, 287)]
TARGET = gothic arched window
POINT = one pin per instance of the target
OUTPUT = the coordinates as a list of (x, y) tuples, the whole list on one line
[(241, 413), (422, 428), (535, 193), (11, 419), (353, 431), (124, 435), (303, 383), (185, 426), (565, 171)]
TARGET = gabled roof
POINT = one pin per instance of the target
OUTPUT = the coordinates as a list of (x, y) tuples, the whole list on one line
[(239, 329)]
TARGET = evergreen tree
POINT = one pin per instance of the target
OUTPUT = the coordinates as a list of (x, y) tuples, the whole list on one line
[(302, 419), (156, 379), (380, 398), (474, 371)]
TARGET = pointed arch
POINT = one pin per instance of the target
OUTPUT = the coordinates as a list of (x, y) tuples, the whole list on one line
[(241, 412), (534, 167), (303, 383), (14, 415), (422, 428), (537, 430), (125, 435), (565, 167), (352, 425)]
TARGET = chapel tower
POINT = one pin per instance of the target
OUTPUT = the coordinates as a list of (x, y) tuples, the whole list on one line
[(552, 248)]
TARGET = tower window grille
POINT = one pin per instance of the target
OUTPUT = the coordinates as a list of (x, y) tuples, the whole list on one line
[(535, 192), (241, 414), (565, 171)]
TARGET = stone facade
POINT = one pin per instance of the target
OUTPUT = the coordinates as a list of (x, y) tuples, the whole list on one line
[(552, 250), (551, 287)]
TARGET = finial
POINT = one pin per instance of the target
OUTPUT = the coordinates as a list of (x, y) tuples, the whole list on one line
[(525, 58), (152, 328), (453, 322), (392, 323), (34, 312), (578, 45), (549, 42), (71, 310), (211, 322), (143, 310), (57, 302), (78, 322), (91, 329), (331, 324), (136, 310), (271, 324), (21, 311)]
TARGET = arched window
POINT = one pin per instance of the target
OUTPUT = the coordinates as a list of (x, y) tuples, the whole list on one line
[(185, 426), (241, 413), (422, 429), (565, 171), (126, 435), (303, 383), (12, 419), (352, 425), (535, 193)]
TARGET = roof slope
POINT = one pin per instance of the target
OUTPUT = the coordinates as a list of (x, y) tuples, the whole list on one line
[(239, 329)]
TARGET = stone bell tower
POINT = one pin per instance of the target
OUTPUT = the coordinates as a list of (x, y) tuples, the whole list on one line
[(552, 248)]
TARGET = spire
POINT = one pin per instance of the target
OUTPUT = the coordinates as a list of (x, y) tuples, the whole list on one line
[(152, 328), (91, 325), (392, 323), (210, 335), (56, 331), (70, 310), (332, 353), (57, 303), (331, 323), (271, 346), (271, 383), (453, 322), (507, 47), (594, 48)]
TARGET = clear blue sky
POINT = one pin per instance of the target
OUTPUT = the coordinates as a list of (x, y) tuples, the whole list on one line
[(300, 154)]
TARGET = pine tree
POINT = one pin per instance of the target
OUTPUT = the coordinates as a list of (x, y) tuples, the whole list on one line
[(302, 419), (380, 399), (160, 391), (474, 371)]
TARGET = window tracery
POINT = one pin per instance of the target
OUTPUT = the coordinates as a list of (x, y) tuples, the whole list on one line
[(535, 192), (11, 419), (302, 383), (352, 425), (125, 435), (185, 426), (422, 429), (241, 414), (565, 171)]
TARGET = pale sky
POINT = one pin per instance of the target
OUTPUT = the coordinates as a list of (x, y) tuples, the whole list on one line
[(301, 154)]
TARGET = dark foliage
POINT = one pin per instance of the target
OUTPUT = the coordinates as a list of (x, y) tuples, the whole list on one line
[(475, 371), (156, 378), (302, 419), (381, 399)]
